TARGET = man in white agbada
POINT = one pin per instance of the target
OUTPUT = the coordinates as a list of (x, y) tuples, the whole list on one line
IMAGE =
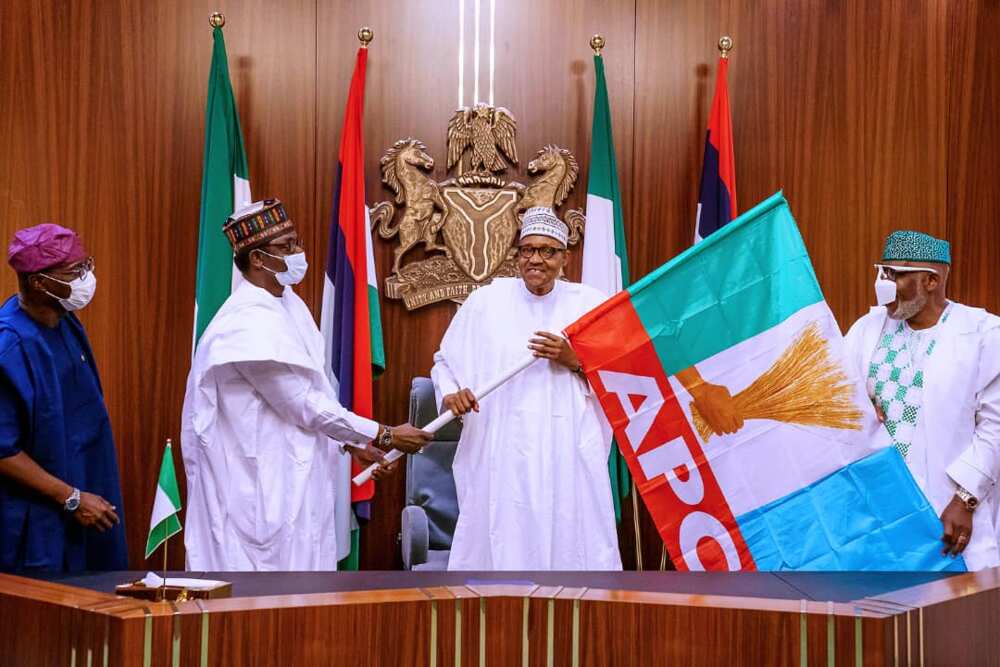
[(933, 369), (260, 417), (531, 468)]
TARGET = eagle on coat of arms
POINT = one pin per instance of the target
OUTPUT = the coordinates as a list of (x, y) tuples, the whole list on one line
[(484, 129)]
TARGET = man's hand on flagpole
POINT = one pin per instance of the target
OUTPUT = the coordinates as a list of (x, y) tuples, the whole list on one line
[(366, 455), (408, 438), (460, 402), (482, 391), (555, 348)]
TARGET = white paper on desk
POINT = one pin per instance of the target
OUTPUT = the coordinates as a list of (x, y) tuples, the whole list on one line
[(152, 580)]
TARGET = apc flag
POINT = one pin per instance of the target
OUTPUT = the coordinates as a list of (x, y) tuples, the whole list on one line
[(751, 440), (163, 523), (717, 193), (350, 319), (225, 187), (605, 262)]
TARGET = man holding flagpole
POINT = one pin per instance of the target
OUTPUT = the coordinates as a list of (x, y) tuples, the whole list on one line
[(531, 465), (258, 412)]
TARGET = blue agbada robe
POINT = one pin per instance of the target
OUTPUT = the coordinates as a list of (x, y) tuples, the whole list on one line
[(52, 408)]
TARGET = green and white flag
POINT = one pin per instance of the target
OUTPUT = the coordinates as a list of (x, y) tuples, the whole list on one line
[(164, 524), (225, 187), (605, 263)]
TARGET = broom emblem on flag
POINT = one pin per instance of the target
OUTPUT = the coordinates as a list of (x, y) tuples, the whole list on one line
[(804, 386)]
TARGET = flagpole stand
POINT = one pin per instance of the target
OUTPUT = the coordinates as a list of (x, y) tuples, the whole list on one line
[(597, 43), (174, 592), (365, 36), (725, 45), (217, 20)]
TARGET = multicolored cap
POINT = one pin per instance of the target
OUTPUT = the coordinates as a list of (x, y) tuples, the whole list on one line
[(43, 246), (256, 222), (907, 246), (543, 221)]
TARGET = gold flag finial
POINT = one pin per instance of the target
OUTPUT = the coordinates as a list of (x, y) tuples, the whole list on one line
[(217, 20), (597, 43), (725, 45), (366, 35)]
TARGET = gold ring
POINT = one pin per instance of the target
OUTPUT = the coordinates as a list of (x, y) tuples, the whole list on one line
[(962, 537)]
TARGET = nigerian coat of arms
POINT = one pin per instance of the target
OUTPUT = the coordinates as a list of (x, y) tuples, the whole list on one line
[(468, 223)]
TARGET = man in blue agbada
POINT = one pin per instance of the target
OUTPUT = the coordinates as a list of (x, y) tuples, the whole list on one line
[(60, 495)]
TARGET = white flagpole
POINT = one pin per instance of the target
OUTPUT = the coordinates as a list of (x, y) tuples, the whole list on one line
[(447, 417)]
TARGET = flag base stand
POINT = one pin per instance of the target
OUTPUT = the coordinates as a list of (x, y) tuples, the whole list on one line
[(137, 589)]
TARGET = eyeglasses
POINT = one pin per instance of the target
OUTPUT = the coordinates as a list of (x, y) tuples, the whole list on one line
[(288, 247), (544, 251), (892, 272), (78, 271)]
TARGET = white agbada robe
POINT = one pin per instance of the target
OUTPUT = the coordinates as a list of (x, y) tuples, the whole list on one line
[(531, 468), (257, 415), (956, 440)]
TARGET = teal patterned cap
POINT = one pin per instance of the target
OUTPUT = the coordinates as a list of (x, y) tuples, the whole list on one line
[(906, 246)]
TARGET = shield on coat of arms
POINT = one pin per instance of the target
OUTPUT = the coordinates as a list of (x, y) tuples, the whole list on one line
[(479, 227)]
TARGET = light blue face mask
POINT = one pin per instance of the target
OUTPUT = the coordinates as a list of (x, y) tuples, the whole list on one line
[(295, 268)]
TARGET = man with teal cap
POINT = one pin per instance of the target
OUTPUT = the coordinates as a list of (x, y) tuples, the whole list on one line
[(933, 369)]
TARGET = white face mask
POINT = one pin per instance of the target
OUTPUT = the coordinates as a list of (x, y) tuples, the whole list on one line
[(81, 291), (885, 289), (296, 266)]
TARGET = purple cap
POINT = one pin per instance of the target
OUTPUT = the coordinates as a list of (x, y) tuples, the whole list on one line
[(43, 246)]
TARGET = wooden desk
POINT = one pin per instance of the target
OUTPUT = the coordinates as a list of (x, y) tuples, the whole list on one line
[(946, 621)]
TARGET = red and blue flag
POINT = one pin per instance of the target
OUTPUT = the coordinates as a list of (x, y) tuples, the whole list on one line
[(717, 194), (350, 320)]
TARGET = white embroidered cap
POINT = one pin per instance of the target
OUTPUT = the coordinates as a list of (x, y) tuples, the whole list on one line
[(539, 220)]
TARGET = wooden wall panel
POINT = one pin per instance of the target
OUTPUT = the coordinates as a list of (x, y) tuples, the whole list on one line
[(841, 105), (871, 116), (650, 634), (973, 195)]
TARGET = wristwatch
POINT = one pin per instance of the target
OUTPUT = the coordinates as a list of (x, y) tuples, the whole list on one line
[(971, 502), (385, 438), (72, 503)]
